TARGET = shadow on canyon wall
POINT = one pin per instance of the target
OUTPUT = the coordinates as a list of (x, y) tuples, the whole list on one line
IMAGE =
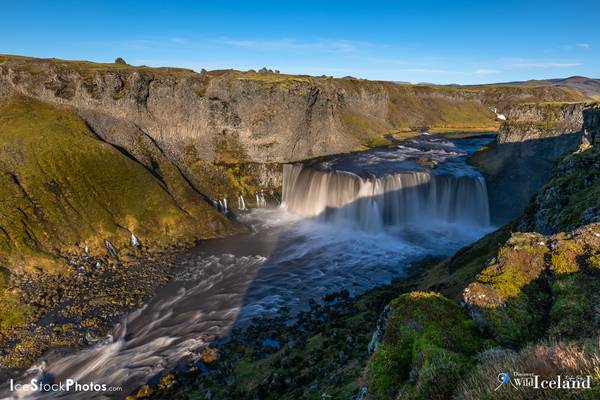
[(514, 172)]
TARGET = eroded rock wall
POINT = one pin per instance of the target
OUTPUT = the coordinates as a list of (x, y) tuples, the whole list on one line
[(531, 121), (591, 125)]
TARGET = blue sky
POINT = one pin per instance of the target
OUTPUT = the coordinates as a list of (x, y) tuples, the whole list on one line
[(417, 41)]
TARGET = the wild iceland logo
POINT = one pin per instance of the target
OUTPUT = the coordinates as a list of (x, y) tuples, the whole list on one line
[(527, 380)]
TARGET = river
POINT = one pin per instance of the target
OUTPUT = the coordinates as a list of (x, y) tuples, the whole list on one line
[(348, 222)]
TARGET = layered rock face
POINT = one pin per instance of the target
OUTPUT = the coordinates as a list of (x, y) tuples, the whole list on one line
[(537, 121), (571, 197), (206, 122), (530, 142)]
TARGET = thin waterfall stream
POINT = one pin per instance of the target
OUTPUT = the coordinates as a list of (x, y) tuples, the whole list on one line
[(347, 222)]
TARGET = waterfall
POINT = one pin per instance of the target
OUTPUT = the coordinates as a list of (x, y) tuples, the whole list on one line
[(260, 199), (241, 203), (408, 197), (221, 205)]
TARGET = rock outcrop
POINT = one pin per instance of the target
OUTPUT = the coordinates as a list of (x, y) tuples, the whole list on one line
[(591, 125), (534, 121), (529, 144)]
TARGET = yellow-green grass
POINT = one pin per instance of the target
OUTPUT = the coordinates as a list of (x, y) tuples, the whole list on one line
[(453, 274), (88, 68), (426, 348)]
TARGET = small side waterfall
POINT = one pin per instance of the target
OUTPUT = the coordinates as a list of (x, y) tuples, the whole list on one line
[(241, 203), (260, 200), (412, 197)]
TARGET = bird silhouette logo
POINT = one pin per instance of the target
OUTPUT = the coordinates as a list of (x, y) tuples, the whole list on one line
[(504, 380)]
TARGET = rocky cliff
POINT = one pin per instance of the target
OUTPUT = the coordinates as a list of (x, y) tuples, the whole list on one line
[(571, 197), (64, 189), (529, 143), (534, 121), (591, 125), (205, 123)]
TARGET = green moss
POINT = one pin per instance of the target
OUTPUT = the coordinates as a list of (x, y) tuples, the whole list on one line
[(315, 343), (569, 308), (516, 323), (366, 131), (249, 373), (511, 295), (389, 368), (519, 265), (427, 336), (564, 257), (453, 274), (575, 288), (439, 371), (229, 151), (594, 261), (13, 313), (62, 187)]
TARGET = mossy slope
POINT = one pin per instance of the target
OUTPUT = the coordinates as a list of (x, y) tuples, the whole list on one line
[(426, 347), (534, 299), (62, 187)]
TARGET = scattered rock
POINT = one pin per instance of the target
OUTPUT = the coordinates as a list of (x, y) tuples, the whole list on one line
[(209, 355), (134, 241), (111, 249)]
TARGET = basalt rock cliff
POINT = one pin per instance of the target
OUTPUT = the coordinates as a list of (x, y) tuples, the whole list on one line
[(529, 143), (205, 123), (591, 125), (535, 121)]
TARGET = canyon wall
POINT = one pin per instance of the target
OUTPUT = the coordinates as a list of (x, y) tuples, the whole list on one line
[(210, 135), (571, 196), (210, 124), (534, 121), (529, 143), (591, 125)]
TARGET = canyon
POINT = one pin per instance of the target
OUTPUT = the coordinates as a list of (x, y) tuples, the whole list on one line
[(116, 175)]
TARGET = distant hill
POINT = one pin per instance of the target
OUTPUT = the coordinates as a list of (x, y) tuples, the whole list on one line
[(588, 86)]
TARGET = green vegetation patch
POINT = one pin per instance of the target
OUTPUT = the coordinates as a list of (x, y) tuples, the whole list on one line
[(510, 295), (62, 188), (452, 275), (428, 338), (575, 285), (230, 174), (13, 313)]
